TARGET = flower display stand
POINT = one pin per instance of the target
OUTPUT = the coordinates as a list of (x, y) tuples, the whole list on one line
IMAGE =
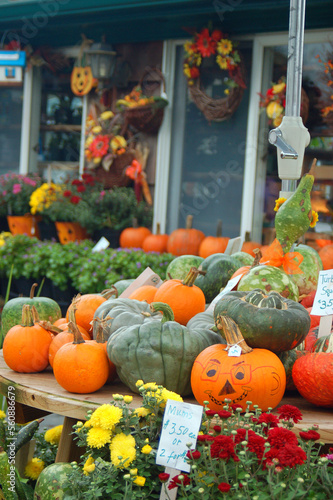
[(25, 224), (70, 231)]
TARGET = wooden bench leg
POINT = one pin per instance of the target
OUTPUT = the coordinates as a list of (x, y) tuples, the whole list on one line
[(68, 451)]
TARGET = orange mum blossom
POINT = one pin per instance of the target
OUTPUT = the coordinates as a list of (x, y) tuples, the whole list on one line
[(290, 261)]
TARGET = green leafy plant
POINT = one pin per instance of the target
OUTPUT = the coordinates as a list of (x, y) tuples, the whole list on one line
[(15, 192)]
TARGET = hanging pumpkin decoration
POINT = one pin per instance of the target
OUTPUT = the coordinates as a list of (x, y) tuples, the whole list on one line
[(82, 79), (255, 375)]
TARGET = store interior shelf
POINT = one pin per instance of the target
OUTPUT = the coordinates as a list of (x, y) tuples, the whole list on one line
[(61, 127)]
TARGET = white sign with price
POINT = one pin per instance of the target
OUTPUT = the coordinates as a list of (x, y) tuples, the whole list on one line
[(181, 424), (323, 302)]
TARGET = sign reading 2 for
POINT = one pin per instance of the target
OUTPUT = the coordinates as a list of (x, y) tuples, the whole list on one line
[(181, 424)]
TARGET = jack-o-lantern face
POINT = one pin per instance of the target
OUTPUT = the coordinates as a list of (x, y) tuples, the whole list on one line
[(81, 80), (258, 376)]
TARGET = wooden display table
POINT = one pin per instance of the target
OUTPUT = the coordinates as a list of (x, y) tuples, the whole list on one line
[(39, 394)]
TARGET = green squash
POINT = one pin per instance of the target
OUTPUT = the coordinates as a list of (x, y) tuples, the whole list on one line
[(243, 258), (311, 265), (50, 482), (159, 351), (269, 278), (122, 312), (179, 267), (121, 285), (218, 269), (266, 321), (47, 310)]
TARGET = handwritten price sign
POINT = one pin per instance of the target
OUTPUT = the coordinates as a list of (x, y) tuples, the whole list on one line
[(181, 424), (323, 302)]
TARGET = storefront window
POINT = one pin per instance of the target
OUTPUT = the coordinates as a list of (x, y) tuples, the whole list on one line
[(11, 100)]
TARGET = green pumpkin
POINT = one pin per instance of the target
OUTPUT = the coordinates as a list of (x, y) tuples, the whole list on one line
[(311, 264), (47, 310), (159, 351), (288, 359), (179, 267), (266, 321), (243, 258), (121, 285), (122, 312), (218, 269), (51, 480), (269, 278)]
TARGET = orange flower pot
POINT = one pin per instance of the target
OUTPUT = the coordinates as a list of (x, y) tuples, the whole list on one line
[(24, 224), (70, 231)]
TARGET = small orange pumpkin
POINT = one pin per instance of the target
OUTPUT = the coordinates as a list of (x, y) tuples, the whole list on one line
[(214, 244), (81, 367), (133, 237), (145, 292), (26, 346), (185, 299), (156, 242), (185, 241), (257, 375), (250, 246), (82, 80)]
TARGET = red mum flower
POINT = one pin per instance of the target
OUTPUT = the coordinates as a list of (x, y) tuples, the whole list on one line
[(288, 456), (163, 477), (290, 412), (223, 447), (269, 419), (194, 454), (243, 435), (224, 487), (99, 146), (235, 406), (67, 193), (279, 437), (210, 413), (256, 444), (185, 480), (75, 200), (217, 429), (310, 435), (205, 43), (88, 179), (81, 189), (224, 414), (205, 438), (76, 182)]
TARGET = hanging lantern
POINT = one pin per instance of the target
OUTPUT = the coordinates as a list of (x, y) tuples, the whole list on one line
[(102, 60)]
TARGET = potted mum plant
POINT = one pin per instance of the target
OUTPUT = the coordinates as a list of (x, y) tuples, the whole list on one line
[(15, 192)]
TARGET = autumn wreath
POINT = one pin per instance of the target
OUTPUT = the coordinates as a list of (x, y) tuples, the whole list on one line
[(214, 44)]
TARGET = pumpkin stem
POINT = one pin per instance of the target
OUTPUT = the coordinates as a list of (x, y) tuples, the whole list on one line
[(32, 290), (163, 308), (102, 323), (247, 236), (49, 327), (189, 222), (258, 256), (78, 339), (35, 315), (27, 317), (109, 292), (169, 276), (191, 276), (232, 333), (219, 229), (158, 228), (135, 223)]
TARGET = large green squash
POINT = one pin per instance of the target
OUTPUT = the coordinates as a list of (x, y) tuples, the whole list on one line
[(267, 321), (121, 285), (159, 351), (51, 480), (218, 269), (269, 278), (307, 281), (179, 267), (122, 312), (243, 258), (47, 309)]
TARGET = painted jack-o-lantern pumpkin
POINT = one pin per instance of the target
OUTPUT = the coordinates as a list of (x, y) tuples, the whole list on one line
[(82, 80), (256, 375)]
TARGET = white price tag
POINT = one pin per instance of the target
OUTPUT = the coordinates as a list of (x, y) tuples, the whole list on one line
[(234, 245), (323, 301), (181, 424), (102, 244), (235, 350)]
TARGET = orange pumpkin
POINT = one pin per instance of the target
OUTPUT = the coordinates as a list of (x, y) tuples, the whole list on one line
[(59, 322), (185, 241), (185, 299), (250, 246), (82, 80), (256, 375), (326, 255), (81, 367), (214, 244), (145, 292), (133, 237), (26, 346), (156, 242)]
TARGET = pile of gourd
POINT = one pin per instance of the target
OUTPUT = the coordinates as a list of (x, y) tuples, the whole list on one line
[(242, 346)]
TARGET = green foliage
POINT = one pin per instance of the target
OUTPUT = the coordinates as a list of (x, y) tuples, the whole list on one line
[(15, 192)]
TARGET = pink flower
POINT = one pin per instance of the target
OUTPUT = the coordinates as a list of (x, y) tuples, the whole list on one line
[(17, 188)]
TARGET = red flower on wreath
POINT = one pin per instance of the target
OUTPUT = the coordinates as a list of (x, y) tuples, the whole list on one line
[(99, 146), (206, 44)]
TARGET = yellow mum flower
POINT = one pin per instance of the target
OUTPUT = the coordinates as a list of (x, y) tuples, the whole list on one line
[(128, 399), (274, 109), (98, 437), (106, 115), (278, 203), (165, 394), (87, 424), (314, 219), (118, 142), (139, 383), (189, 46), (133, 472), (279, 87), (140, 480), (89, 140), (34, 467), (146, 449), (122, 450), (97, 129), (89, 466), (141, 411), (152, 386), (224, 47), (52, 436), (187, 71), (2, 415), (106, 417), (222, 62)]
